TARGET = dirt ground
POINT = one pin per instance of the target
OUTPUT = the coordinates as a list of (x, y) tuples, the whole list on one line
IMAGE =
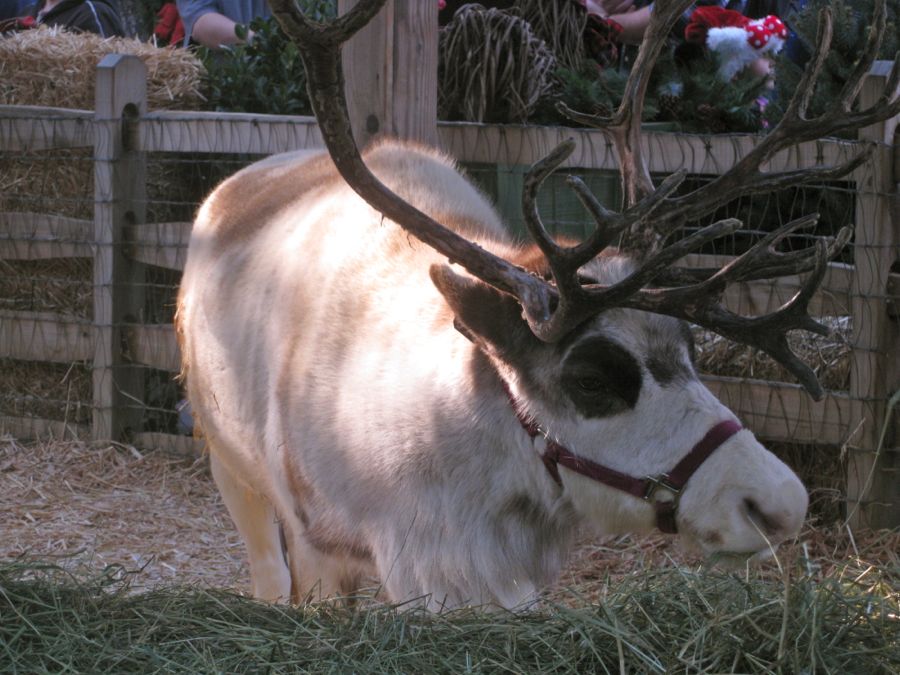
[(91, 506)]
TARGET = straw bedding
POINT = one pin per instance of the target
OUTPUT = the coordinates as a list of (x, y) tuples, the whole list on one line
[(830, 603), (115, 504), (109, 504)]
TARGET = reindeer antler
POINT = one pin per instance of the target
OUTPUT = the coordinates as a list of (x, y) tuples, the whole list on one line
[(698, 300), (320, 48), (553, 310)]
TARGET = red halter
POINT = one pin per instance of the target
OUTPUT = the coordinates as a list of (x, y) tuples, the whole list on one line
[(645, 488)]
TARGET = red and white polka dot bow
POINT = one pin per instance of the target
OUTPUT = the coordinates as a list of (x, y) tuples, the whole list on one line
[(736, 40), (762, 32)]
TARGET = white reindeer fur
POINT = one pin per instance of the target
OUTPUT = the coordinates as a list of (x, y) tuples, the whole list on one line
[(326, 374)]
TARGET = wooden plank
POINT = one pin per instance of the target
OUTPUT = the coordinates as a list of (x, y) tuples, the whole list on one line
[(32, 236), (35, 428), (778, 411), (181, 445), (873, 494), (28, 128), (390, 73), (667, 152), (154, 345), (119, 200), (235, 133), (160, 244), (44, 336), (368, 59), (414, 90)]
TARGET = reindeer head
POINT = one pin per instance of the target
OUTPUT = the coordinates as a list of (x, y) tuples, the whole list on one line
[(598, 347), (619, 407)]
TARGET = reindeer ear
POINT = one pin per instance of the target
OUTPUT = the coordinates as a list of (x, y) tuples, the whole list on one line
[(483, 314)]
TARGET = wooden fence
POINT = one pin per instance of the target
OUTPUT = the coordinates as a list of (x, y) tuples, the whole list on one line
[(121, 132)]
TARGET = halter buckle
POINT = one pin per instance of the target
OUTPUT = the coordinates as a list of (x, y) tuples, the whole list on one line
[(663, 481)]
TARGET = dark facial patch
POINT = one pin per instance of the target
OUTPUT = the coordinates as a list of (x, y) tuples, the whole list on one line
[(601, 378), (665, 361)]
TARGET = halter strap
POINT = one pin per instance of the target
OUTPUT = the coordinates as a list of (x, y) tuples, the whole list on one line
[(644, 488)]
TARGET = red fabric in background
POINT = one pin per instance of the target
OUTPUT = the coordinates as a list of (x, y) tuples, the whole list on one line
[(169, 28)]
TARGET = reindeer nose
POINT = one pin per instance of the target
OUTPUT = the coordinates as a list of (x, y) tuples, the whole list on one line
[(780, 515)]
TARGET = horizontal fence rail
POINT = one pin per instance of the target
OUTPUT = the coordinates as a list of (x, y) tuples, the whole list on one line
[(120, 241)]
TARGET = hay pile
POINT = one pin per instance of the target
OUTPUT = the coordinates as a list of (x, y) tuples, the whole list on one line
[(49, 391), (56, 67), (492, 67), (658, 622), (624, 604), (828, 356)]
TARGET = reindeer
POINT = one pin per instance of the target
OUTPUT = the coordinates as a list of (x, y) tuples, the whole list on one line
[(372, 411)]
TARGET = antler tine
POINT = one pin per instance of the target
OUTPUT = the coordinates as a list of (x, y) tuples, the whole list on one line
[(778, 264), (579, 304), (610, 222), (650, 269), (729, 186), (534, 178), (623, 126), (320, 49), (701, 304), (763, 253), (769, 332), (854, 83), (799, 102), (296, 25), (565, 261), (604, 217)]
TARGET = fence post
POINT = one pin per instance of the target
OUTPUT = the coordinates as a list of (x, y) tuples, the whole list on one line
[(873, 481), (390, 69), (119, 201)]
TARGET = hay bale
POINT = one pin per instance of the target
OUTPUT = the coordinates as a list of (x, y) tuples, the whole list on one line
[(828, 355), (50, 391), (493, 68), (56, 67)]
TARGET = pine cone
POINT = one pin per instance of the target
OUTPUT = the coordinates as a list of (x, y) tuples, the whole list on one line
[(670, 106), (712, 118)]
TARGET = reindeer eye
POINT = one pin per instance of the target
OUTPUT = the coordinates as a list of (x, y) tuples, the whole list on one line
[(590, 385)]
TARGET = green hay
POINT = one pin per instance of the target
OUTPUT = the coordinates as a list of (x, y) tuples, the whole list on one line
[(656, 621)]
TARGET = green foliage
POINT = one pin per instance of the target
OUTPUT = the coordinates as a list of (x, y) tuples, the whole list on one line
[(265, 75), (688, 93), (706, 103), (852, 19), (589, 91)]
